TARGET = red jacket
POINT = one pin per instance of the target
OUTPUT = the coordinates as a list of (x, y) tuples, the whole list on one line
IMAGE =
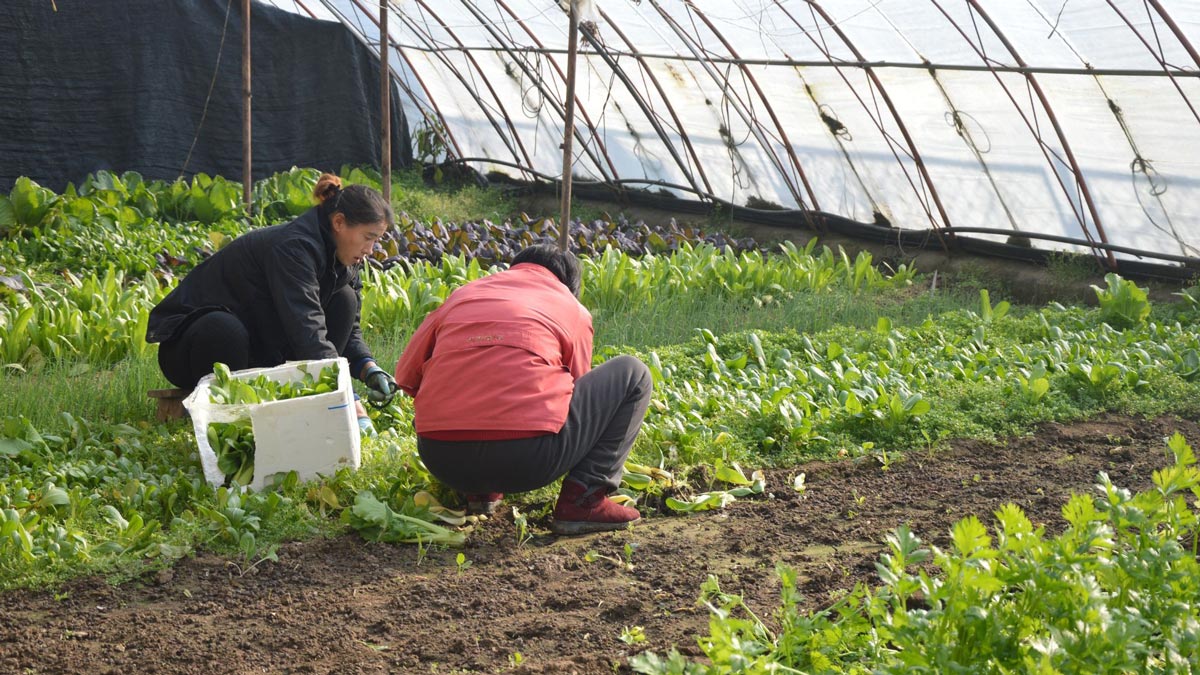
[(499, 358)]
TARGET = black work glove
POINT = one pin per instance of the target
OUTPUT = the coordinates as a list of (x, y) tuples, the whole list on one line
[(381, 385)]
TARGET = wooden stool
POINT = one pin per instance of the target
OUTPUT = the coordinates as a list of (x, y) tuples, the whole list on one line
[(170, 403)]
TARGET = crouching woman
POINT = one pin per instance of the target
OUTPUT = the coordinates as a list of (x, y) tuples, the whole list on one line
[(281, 293), (506, 399)]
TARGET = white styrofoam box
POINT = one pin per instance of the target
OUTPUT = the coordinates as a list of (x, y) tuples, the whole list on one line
[(310, 435)]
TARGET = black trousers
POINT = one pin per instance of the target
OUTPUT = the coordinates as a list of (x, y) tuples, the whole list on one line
[(221, 337), (606, 413)]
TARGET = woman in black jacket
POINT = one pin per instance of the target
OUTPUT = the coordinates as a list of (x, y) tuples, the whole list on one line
[(281, 293)]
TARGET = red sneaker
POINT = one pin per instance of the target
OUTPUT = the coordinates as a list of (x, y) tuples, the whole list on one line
[(485, 503), (576, 513)]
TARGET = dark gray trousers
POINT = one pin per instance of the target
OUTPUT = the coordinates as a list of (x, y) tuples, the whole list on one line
[(221, 337), (606, 413)]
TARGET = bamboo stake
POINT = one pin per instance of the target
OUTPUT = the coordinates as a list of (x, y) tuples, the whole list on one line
[(385, 103), (564, 236), (247, 175)]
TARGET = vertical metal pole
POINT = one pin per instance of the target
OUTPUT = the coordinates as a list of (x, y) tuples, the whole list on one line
[(247, 174), (385, 103), (564, 235), (440, 128)]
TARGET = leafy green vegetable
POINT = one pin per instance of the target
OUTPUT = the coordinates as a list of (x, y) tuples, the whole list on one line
[(1122, 303), (30, 202), (377, 521), (79, 497), (226, 389), (1116, 592), (233, 444)]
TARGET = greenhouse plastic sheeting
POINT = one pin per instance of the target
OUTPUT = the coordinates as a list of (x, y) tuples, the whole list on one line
[(126, 86), (1076, 118)]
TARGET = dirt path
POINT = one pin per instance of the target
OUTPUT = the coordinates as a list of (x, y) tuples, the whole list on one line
[(345, 606)]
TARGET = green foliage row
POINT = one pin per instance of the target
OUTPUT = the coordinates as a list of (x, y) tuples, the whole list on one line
[(138, 226), (113, 498), (125, 222), (777, 397), (102, 318), (87, 495), (1117, 592), (751, 397), (614, 281), (97, 319), (84, 498)]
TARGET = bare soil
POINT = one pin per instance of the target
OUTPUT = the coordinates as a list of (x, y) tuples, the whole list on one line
[(347, 606)]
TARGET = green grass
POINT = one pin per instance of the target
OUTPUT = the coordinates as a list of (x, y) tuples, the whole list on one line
[(450, 203), (676, 319), (118, 394), (139, 465), (459, 203), (712, 404)]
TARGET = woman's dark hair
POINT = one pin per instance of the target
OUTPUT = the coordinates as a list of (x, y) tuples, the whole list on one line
[(563, 264), (360, 204)]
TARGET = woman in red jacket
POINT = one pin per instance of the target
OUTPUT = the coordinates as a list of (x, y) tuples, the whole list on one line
[(506, 399)]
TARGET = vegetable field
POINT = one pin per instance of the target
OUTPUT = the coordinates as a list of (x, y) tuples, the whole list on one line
[(844, 468)]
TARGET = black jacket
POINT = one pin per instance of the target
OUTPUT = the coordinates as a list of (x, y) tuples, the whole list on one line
[(278, 281)]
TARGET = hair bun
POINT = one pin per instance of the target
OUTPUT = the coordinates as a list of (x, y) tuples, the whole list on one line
[(328, 186)]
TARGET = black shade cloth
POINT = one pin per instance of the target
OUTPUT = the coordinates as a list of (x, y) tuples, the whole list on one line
[(122, 86)]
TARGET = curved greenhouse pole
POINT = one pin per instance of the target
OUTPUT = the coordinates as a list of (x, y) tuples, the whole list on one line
[(787, 144), (438, 125), (1179, 34), (683, 135), (879, 124), (747, 119), (1139, 164), (963, 132), (517, 151), (878, 84), (956, 118), (1081, 184), (1080, 181), (600, 145), (1158, 57), (504, 46), (401, 83), (637, 97), (432, 52), (301, 5)]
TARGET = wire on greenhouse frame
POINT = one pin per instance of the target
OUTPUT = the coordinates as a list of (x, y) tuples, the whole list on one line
[(744, 109), (1139, 164), (470, 6), (600, 121), (991, 66), (692, 160), (1034, 126), (1158, 56), (487, 109), (427, 106), (600, 151), (208, 97), (924, 192), (1083, 193), (503, 110)]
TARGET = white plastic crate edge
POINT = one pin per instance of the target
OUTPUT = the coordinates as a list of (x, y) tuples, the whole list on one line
[(340, 402)]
